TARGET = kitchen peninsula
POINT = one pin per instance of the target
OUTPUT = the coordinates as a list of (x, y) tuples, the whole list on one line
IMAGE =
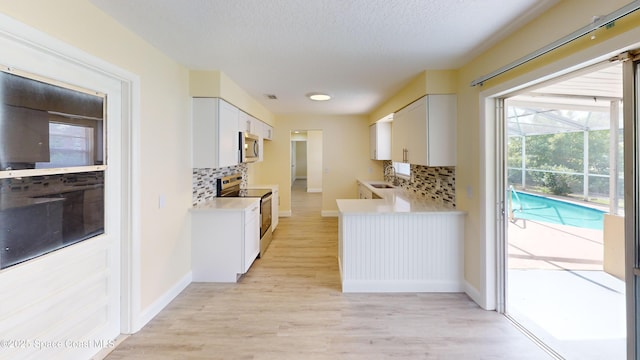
[(399, 242)]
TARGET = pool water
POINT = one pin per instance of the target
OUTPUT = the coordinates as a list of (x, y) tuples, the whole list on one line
[(543, 209)]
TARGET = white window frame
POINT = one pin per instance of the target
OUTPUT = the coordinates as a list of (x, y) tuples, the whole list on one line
[(402, 170)]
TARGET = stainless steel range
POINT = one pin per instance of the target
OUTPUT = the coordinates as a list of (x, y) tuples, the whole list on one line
[(229, 186)]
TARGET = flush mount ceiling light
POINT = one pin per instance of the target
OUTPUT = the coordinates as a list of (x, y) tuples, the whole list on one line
[(318, 96)]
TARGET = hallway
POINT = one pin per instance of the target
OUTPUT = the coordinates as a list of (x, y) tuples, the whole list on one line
[(289, 306)]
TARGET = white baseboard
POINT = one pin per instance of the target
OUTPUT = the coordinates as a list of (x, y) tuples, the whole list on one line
[(330, 213), (286, 213), (475, 295), (314, 190), (154, 309), (399, 286)]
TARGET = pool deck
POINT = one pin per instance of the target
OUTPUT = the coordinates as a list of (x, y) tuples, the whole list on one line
[(536, 245), (559, 291)]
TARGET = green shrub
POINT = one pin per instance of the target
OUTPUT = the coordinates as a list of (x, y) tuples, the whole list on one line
[(558, 184)]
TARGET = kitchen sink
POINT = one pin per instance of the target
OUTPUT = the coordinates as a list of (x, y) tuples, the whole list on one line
[(382, 186)]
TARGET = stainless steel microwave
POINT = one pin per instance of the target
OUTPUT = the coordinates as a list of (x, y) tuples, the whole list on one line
[(249, 147)]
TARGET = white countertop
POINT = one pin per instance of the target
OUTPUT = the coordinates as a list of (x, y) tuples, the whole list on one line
[(394, 200), (227, 204)]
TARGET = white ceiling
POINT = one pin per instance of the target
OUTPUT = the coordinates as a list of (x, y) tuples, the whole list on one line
[(359, 51)]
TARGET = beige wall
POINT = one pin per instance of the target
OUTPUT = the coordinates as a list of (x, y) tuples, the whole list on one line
[(301, 159), (164, 140), (315, 160), (345, 156)]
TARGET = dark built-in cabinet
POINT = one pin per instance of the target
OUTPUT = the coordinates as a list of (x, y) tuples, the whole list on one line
[(45, 213)]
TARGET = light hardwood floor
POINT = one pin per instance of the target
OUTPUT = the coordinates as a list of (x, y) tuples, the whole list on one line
[(289, 306)]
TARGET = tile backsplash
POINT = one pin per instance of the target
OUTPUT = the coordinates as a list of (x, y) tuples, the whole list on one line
[(435, 183), (204, 181)]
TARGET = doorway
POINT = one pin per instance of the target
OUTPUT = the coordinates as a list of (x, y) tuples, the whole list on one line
[(564, 281), (306, 164), (306, 159), (299, 159)]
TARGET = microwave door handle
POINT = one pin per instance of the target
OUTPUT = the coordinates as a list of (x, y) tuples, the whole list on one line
[(256, 148), (240, 146)]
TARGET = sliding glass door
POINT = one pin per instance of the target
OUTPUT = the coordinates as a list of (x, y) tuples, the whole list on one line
[(562, 254), (632, 202)]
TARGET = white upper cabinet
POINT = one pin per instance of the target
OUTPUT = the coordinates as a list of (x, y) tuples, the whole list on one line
[(424, 132), (267, 131), (252, 125), (246, 123), (380, 141), (264, 130), (215, 133), (400, 133)]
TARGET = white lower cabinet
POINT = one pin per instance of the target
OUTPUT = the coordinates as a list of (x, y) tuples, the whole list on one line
[(401, 252), (225, 242), (251, 236), (364, 193)]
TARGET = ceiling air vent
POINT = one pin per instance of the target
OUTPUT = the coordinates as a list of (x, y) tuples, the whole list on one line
[(271, 96)]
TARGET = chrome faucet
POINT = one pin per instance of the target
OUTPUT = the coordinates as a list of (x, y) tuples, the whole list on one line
[(391, 171)]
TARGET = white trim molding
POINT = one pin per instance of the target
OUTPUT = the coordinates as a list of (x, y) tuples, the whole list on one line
[(474, 294), (284, 213), (330, 213), (157, 306)]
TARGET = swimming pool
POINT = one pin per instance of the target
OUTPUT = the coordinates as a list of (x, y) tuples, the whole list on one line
[(543, 209)]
